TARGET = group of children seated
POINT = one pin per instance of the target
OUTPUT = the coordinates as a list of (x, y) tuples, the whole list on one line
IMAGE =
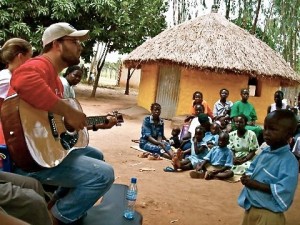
[(212, 150), (213, 143)]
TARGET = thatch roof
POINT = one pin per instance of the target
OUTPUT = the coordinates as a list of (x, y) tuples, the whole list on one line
[(212, 42)]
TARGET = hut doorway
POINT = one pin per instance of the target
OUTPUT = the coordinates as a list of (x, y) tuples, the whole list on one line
[(167, 90)]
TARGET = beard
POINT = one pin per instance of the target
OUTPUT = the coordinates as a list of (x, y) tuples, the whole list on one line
[(69, 58)]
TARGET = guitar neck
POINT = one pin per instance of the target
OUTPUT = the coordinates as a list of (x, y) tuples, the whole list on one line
[(94, 120)]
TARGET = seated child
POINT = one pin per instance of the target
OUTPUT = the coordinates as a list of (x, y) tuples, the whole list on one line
[(152, 138), (225, 124), (271, 180), (217, 163), (211, 137), (198, 151), (174, 140)]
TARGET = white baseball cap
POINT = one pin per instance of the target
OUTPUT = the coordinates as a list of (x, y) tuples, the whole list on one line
[(59, 30)]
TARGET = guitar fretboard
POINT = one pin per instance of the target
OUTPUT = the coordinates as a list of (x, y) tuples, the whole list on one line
[(93, 120)]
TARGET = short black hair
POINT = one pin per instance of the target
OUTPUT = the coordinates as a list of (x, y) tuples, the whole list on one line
[(223, 89), (197, 93), (243, 116), (244, 89), (154, 104), (71, 69), (286, 116), (279, 92), (224, 134), (201, 129)]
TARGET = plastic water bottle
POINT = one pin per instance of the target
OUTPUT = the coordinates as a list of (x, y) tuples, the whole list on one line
[(131, 199)]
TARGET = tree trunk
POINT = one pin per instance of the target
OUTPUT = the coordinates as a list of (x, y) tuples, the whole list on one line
[(100, 65), (227, 3), (129, 75), (127, 82), (253, 29)]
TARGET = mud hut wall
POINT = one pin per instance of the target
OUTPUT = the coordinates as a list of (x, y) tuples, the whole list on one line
[(210, 83), (261, 103), (148, 86)]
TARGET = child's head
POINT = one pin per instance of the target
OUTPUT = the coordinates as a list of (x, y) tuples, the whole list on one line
[(215, 128), (204, 121), (199, 133), (198, 108), (223, 121), (279, 127), (245, 94), (155, 109), (175, 131), (278, 96), (224, 93), (198, 97), (223, 139)]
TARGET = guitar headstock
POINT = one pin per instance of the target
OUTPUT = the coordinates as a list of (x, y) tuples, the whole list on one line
[(119, 117)]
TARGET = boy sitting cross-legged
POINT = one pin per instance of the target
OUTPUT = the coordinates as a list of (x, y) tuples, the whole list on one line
[(217, 163)]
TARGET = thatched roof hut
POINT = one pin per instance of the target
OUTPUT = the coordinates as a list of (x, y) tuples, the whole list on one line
[(213, 46), (212, 42)]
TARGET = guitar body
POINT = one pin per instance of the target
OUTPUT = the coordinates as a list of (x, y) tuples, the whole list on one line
[(35, 138)]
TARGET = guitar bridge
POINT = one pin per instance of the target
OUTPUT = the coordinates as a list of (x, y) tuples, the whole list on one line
[(52, 124)]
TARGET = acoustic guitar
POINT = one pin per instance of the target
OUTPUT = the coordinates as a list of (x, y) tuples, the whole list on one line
[(39, 139)]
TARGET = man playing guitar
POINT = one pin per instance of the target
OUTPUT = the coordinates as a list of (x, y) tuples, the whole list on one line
[(82, 176)]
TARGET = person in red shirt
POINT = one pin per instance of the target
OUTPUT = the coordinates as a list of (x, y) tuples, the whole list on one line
[(83, 176)]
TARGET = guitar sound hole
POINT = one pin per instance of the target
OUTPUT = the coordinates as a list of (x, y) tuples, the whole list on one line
[(68, 141)]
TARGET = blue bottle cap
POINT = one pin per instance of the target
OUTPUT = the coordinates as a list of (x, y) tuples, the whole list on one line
[(133, 180)]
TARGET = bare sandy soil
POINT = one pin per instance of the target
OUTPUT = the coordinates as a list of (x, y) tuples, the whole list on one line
[(163, 198)]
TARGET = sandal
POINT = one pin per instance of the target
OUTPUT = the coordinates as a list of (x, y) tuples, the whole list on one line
[(169, 169)]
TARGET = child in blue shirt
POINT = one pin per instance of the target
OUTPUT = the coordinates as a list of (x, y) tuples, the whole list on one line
[(198, 151), (153, 138), (271, 180), (217, 163)]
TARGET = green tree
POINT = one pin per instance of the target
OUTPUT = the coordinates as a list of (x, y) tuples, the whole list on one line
[(119, 24)]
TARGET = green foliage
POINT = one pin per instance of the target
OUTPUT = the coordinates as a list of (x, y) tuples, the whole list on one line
[(122, 24)]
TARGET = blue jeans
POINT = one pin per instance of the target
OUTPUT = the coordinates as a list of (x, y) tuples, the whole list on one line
[(83, 177), (152, 148)]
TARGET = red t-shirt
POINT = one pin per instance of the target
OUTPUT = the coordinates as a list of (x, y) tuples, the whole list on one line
[(37, 83)]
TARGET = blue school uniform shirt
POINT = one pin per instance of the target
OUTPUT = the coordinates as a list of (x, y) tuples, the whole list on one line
[(214, 138), (218, 156), (149, 128), (278, 168)]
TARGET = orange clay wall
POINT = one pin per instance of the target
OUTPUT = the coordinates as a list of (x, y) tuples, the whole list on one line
[(148, 86), (209, 83)]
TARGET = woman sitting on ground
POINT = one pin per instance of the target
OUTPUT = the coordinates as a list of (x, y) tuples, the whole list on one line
[(243, 144)]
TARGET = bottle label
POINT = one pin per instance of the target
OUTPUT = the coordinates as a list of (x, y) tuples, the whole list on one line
[(131, 195)]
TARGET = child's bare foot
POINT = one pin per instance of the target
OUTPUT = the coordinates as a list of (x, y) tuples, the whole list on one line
[(179, 154), (144, 155), (176, 162), (154, 157)]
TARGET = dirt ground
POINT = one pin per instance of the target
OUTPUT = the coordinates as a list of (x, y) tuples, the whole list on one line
[(163, 198)]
